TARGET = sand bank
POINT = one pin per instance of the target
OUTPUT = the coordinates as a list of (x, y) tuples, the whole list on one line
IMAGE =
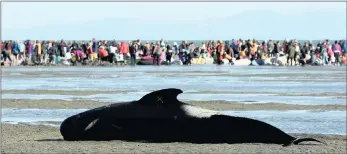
[(44, 139)]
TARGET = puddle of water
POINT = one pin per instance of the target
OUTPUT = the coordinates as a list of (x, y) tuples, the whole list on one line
[(328, 122), (12, 115), (243, 98), (300, 121), (153, 82)]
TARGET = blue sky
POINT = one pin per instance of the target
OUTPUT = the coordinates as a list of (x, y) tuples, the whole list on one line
[(174, 21)]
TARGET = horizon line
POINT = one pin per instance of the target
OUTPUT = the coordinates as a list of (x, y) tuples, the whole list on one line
[(173, 39)]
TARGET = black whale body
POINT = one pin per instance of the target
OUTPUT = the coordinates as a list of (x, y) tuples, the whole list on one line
[(160, 117)]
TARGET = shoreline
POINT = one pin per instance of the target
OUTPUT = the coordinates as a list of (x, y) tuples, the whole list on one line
[(214, 105), (93, 92), (45, 139)]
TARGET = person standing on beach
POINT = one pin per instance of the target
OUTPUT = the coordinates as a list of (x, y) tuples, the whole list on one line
[(139, 47), (168, 54), (124, 50), (344, 53), (53, 52), (44, 54), (6, 52), (220, 52), (249, 46), (84, 47), (297, 52), (175, 48), (15, 52), (243, 49), (74, 45), (271, 47), (60, 48), (38, 50), (113, 50), (337, 49), (253, 52), (291, 53), (132, 51), (320, 45), (146, 48), (190, 53), (2, 49), (181, 51), (263, 50), (235, 46), (203, 50), (90, 51), (345, 47), (157, 53), (28, 49), (9, 50), (276, 50), (330, 53), (304, 51), (95, 45), (285, 46), (21, 47)]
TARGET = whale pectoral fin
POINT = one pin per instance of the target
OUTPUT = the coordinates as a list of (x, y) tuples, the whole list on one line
[(91, 124), (163, 96)]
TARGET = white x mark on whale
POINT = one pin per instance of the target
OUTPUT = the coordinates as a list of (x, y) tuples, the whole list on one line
[(159, 98)]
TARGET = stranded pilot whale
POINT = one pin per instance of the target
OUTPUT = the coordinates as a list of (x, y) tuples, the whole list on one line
[(160, 117)]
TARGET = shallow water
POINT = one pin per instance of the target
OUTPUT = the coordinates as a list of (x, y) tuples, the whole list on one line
[(143, 79), (327, 122)]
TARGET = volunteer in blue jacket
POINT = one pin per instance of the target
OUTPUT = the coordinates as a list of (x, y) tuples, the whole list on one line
[(15, 51)]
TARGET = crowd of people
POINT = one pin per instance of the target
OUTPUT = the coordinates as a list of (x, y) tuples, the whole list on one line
[(51, 52)]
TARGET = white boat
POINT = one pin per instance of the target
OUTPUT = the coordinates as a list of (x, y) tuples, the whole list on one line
[(242, 62)]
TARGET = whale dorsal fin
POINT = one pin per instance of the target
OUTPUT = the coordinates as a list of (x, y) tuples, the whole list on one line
[(163, 96)]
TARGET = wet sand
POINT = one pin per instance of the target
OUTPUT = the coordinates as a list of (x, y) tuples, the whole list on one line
[(182, 72), (215, 105), (44, 139), (341, 77)]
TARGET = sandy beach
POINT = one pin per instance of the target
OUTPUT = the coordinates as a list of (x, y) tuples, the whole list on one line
[(44, 139), (25, 138)]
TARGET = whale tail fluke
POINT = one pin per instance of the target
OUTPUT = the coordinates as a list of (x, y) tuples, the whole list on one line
[(299, 140)]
